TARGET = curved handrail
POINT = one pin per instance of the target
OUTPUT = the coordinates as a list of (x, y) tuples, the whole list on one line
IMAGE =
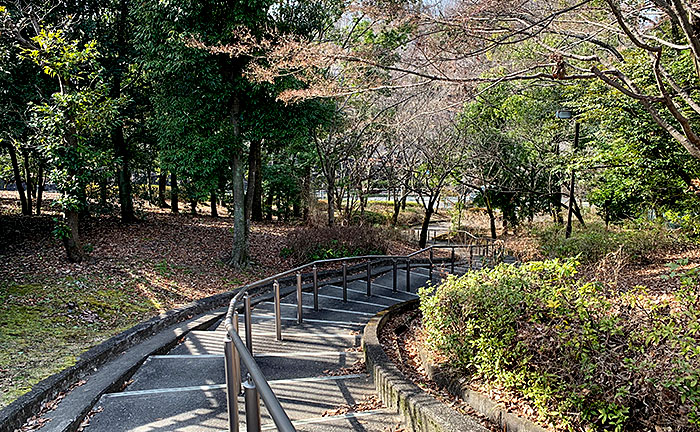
[(279, 416)]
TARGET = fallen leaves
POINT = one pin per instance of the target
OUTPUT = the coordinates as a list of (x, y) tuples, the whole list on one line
[(358, 367), (368, 403), (37, 421)]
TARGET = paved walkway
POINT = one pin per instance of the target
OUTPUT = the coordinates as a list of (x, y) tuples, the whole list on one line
[(310, 371)]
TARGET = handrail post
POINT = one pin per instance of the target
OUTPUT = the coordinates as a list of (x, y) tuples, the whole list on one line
[(369, 278), (345, 281), (471, 257), (408, 274), (252, 406), (430, 271), (452, 260), (278, 310), (248, 323), (233, 377), (315, 270), (300, 300), (396, 270)]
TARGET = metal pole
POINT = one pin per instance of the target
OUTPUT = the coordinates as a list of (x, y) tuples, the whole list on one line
[(315, 270), (300, 300), (430, 272), (278, 310), (452, 260), (233, 376), (345, 281), (408, 274), (236, 354), (369, 278), (396, 270), (570, 211), (248, 324), (252, 406)]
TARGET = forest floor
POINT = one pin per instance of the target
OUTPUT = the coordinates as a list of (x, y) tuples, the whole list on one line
[(51, 310)]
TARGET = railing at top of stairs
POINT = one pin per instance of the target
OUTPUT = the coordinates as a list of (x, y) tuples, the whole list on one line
[(236, 351)]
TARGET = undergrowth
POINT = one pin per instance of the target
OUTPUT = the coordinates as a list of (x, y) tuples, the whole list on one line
[(585, 356), (317, 243), (595, 241)]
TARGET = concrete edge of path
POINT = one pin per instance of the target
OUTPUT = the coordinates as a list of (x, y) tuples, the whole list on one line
[(421, 411)]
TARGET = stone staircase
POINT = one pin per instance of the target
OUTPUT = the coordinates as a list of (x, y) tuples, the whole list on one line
[(313, 371)]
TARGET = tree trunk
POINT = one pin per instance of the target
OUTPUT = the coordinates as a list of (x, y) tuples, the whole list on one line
[(253, 177), (268, 205), (426, 223), (150, 186), (126, 203), (214, 211), (307, 197), (71, 238), (492, 216), (331, 205), (18, 179), (569, 214), (174, 193), (121, 149), (257, 211), (40, 188), (397, 211), (28, 179), (162, 184), (240, 249)]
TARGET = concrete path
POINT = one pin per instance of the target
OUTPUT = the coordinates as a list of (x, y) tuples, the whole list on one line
[(311, 370)]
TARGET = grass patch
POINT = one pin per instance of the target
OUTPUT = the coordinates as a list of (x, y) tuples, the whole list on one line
[(43, 329)]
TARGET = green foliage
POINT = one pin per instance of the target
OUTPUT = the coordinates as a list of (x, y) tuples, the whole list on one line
[(594, 242), (514, 140), (583, 355), (310, 244), (372, 218)]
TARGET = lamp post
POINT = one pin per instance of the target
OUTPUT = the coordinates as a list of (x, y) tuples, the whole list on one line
[(568, 114)]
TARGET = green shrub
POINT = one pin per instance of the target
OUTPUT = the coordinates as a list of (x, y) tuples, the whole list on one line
[(310, 244), (586, 358), (594, 242), (372, 218)]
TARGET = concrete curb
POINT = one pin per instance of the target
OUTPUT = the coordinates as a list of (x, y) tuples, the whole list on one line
[(420, 411)]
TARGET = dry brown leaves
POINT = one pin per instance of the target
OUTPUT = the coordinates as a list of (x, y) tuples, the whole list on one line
[(368, 403), (38, 421), (357, 368)]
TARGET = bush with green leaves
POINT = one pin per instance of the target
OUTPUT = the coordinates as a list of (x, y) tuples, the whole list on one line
[(316, 243), (594, 242), (585, 356)]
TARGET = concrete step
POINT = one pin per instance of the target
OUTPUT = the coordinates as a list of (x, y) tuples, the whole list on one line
[(212, 342), (184, 371), (205, 410)]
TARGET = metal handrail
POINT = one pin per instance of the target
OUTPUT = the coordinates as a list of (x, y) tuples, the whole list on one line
[(460, 234), (236, 351)]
